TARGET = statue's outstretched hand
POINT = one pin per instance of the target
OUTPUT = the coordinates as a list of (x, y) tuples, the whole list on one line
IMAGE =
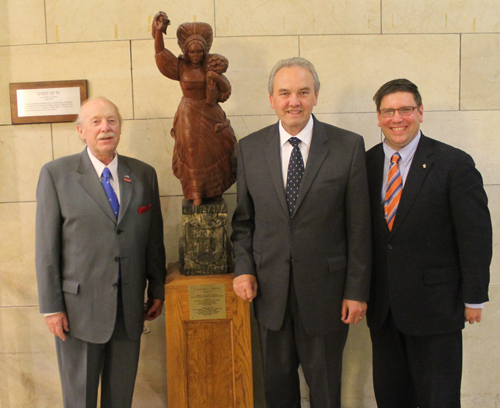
[(160, 23)]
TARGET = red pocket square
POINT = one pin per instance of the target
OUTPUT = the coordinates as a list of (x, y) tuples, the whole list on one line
[(144, 209)]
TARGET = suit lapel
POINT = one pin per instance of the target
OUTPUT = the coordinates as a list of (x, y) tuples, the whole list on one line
[(375, 169), (126, 187), (420, 167), (90, 182), (273, 157), (317, 154)]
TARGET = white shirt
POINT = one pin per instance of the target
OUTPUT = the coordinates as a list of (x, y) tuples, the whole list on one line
[(113, 169), (305, 136)]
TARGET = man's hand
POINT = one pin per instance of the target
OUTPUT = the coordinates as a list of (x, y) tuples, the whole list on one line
[(153, 309), (473, 315), (353, 311), (245, 286), (58, 324)]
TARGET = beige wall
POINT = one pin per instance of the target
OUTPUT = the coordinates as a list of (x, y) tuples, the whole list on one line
[(449, 48)]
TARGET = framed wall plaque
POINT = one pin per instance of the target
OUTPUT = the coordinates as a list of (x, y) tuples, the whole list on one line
[(46, 102)]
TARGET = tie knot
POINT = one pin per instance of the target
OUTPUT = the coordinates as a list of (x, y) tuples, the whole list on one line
[(395, 157), (294, 141), (106, 173)]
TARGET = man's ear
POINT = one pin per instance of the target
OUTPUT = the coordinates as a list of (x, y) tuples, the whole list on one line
[(316, 100), (80, 131)]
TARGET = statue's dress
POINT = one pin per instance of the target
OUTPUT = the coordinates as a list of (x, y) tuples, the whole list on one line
[(204, 153)]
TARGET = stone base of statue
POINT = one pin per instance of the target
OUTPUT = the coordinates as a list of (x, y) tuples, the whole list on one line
[(209, 351), (204, 248)]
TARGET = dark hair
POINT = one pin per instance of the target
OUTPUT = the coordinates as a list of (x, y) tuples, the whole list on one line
[(397, 85)]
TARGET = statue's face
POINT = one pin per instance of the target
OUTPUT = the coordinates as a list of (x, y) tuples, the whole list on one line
[(195, 53)]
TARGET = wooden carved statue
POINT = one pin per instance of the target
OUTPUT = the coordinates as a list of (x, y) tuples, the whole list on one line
[(204, 157)]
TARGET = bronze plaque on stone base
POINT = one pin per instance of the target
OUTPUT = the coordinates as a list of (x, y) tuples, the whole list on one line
[(204, 247)]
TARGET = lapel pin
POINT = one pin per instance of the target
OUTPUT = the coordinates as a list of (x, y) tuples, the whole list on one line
[(424, 166), (127, 179)]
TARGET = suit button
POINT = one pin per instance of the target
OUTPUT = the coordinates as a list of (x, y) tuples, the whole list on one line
[(119, 232), (292, 229), (115, 285), (389, 246), (117, 258)]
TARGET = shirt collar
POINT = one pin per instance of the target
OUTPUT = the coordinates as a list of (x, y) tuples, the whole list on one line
[(305, 135), (99, 165), (407, 152)]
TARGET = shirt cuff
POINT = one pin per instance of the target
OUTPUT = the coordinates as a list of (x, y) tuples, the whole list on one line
[(475, 305), (51, 314)]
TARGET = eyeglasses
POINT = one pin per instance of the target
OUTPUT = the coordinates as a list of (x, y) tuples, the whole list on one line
[(404, 111)]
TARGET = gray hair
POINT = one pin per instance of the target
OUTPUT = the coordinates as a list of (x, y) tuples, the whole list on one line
[(294, 62), (79, 119)]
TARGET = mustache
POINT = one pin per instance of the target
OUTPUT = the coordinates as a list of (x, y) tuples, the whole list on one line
[(106, 135)]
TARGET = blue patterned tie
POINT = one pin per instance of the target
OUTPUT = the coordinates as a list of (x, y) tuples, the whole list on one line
[(113, 200), (294, 175)]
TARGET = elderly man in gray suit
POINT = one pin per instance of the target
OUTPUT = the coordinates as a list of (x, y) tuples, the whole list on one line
[(99, 244), (301, 236)]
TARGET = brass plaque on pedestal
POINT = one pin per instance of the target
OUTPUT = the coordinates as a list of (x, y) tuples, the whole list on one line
[(207, 301)]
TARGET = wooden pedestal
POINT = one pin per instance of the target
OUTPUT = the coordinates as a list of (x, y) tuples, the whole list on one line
[(209, 361)]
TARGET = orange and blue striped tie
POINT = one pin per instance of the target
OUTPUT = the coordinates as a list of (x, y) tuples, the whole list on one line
[(393, 191)]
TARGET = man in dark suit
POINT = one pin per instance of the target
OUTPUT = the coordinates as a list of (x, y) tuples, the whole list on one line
[(432, 246), (303, 237), (99, 241)]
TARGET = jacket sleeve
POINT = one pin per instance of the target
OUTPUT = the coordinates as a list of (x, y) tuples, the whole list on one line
[(243, 223), (156, 271), (472, 224), (358, 228), (48, 245)]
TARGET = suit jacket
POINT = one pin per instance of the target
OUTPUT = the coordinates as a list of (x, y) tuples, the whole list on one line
[(327, 240), (80, 246), (438, 253)]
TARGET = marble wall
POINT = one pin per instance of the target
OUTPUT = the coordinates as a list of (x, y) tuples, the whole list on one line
[(449, 48)]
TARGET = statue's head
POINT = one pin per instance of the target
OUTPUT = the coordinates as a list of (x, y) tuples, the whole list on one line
[(193, 36)]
